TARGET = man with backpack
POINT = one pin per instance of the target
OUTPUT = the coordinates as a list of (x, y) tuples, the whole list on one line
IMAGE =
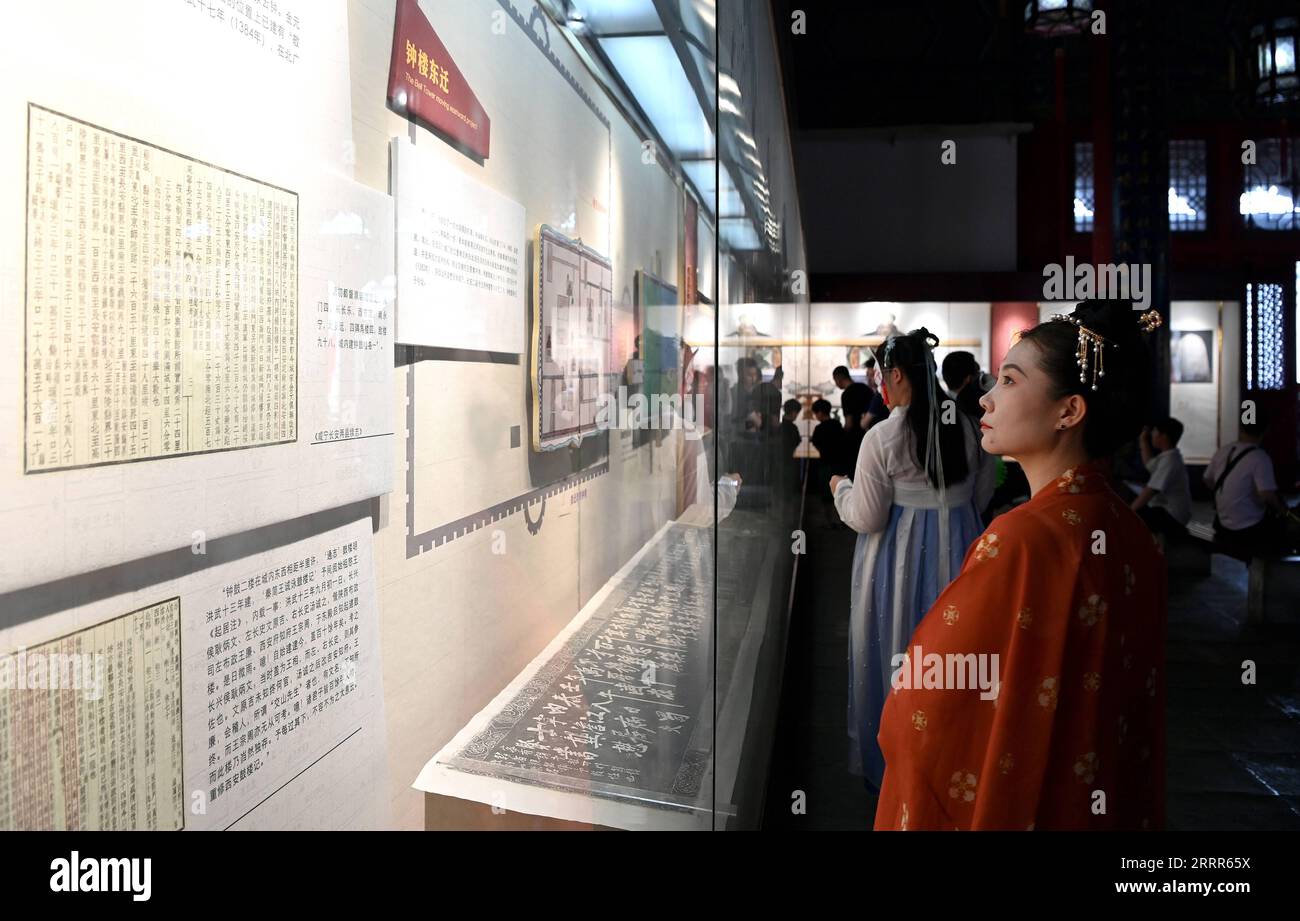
[(1240, 477)]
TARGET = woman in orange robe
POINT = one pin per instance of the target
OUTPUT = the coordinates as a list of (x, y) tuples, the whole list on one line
[(1032, 694)]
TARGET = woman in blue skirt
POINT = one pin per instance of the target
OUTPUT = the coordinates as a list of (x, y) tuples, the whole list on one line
[(914, 499)]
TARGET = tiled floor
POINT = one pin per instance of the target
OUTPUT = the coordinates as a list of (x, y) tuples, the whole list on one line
[(1234, 749)]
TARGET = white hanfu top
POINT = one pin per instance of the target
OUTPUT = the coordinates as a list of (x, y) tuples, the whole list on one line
[(900, 569), (887, 474)]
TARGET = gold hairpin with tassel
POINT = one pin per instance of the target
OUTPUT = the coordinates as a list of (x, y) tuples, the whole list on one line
[(1091, 350), (1150, 320)]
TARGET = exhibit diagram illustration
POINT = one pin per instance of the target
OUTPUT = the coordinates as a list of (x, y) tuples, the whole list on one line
[(573, 318)]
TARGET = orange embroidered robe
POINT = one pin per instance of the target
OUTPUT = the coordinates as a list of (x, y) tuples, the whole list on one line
[(1068, 592)]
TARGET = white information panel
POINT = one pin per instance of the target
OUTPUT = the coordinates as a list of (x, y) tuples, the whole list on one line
[(174, 405), (246, 695), (81, 751), (460, 256), (196, 302), (161, 302)]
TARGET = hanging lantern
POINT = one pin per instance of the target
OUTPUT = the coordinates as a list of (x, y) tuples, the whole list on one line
[(1274, 44), (1057, 17)]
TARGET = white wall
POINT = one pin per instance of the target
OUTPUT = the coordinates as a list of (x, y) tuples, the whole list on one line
[(1230, 375), (458, 621), (1197, 405), (1209, 412), (960, 326)]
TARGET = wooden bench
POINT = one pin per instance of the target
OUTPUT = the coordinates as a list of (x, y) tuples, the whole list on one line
[(1273, 583), (1273, 595), (1189, 553)]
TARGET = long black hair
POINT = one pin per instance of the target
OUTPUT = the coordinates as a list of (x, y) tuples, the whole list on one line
[(913, 355)]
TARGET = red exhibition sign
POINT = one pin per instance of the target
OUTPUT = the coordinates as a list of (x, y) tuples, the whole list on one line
[(426, 86)]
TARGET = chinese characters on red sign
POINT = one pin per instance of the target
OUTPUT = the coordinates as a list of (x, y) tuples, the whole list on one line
[(425, 85)]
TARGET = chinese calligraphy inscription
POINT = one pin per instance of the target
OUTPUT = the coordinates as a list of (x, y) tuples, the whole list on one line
[(90, 727), (161, 302)]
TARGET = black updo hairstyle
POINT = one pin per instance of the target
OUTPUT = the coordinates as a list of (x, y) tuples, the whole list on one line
[(913, 355), (1119, 405)]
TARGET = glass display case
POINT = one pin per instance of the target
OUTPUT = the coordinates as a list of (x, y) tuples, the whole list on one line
[(397, 413)]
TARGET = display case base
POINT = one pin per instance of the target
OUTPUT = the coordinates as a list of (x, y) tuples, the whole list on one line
[(450, 813)]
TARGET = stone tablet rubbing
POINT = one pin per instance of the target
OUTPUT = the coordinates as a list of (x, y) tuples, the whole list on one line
[(625, 708)]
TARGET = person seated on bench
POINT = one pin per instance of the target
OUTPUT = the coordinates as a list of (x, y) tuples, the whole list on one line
[(1240, 476), (1165, 503)]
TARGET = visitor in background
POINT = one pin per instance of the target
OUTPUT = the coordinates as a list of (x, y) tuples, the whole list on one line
[(828, 439), (791, 439), (754, 451), (634, 380), (914, 499), (829, 434), (1165, 503), (1076, 704), (790, 426), (847, 385), (765, 410), (853, 403), (1240, 477), (876, 410), (961, 375), (748, 377)]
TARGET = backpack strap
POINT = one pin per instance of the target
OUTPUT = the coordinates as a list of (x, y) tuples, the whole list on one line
[(1233, 460)]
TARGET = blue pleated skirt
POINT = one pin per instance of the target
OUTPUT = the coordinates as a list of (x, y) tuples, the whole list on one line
[(896, 579)]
